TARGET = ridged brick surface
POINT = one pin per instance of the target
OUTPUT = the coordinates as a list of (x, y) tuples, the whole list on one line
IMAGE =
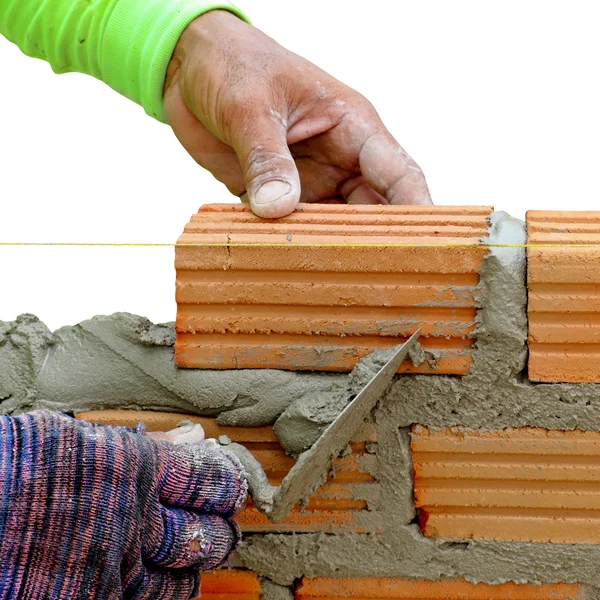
[(322, 588), (230, 584), (326, 285), (564, 296), (515, 484), (333, 506)]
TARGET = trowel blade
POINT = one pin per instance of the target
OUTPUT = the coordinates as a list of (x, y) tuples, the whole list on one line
[(313, 464)]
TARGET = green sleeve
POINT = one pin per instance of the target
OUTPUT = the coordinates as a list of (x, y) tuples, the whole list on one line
[(125, 43)]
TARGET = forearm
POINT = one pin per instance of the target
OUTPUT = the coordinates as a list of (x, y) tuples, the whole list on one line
[(125, 43)]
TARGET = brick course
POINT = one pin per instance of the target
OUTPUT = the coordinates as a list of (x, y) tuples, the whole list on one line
[(326, 285)]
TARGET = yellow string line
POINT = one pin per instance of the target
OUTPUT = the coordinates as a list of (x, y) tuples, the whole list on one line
[(285, 245)]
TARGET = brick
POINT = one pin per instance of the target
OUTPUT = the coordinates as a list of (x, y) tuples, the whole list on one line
[(332, 508), (165, 421), (329, 588), (230, 584), (516, 484), (564, 296), (327, 285)]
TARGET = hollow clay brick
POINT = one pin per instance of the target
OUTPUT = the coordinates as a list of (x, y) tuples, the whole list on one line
[(327, 285), (564, 296), (230, 584), (326, 588), (516, 484), (333, 506)]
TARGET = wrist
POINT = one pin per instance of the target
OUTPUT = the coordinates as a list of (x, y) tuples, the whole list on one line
[(209, 28), (202, 36)]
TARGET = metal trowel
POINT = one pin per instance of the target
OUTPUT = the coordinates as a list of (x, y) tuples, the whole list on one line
[(312, 465)]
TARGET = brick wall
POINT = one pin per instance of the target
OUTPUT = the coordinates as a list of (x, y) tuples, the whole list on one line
[(323, 287)]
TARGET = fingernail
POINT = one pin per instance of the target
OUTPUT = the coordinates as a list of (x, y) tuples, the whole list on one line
[(189, 437), (181, 429), (271, 192)]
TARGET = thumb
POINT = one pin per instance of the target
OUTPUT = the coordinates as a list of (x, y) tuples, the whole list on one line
[(270, 173)]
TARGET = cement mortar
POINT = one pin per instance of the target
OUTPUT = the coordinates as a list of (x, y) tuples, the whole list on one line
[(403, 552), (302, 423), (272, 591), (261, 491), (126, 362)]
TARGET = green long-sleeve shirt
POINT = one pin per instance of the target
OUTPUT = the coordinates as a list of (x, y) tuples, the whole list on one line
[(125, 43)]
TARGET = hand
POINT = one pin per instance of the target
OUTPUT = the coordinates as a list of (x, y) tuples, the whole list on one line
[(101, 512), (269, 124)]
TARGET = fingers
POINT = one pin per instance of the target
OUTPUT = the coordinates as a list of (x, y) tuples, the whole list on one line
[(270, 173), (144, 584), (392, 172), (204, 478), (186, 435), (357, 191), (194, 540)]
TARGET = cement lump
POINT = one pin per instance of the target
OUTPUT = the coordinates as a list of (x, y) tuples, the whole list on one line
[(261, 491), (124, 361), (302, 423)]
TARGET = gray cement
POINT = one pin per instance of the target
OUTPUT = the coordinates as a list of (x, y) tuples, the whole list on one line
[(261, 491), (405, 553), (273, 591), (126, 362)]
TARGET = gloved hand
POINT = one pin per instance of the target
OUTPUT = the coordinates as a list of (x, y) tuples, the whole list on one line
[(103, 513), (273, 126)]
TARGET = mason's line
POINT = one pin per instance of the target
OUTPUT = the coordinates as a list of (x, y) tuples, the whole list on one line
[(284, 245)]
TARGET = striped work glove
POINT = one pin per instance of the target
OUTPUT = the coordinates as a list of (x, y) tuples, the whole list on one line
[(103, 513)]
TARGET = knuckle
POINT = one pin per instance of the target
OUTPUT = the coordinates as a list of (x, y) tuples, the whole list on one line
[(266, 164)]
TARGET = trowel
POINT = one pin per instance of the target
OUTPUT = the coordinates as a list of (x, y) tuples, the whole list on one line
[(312, 466)]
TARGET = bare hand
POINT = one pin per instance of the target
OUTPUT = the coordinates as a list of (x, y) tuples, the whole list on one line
[(270, 124)]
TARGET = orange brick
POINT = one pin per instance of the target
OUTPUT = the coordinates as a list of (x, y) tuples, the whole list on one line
[(164, 421), (334, 505), (327, 285), (516, 484), (322, 588), (564, 296), (232, 584)]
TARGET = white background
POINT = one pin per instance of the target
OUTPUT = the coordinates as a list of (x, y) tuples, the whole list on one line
[(498, 102)]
